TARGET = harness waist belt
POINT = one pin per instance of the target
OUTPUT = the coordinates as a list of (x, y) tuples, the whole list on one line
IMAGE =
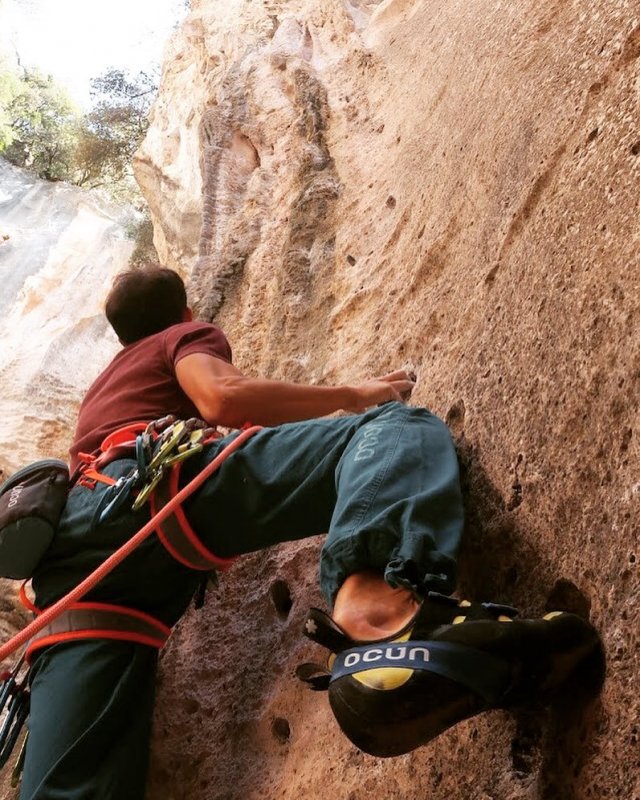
[(101, 621)]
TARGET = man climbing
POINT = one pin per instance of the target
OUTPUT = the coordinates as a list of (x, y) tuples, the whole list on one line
[(408, 660)]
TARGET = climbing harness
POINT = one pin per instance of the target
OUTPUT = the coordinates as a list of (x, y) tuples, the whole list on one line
[(156, 448), (159, 448), (176, 534), (96, 621), (66, 603)]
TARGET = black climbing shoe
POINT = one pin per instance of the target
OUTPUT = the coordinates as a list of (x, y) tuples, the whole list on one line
[(453, 660)]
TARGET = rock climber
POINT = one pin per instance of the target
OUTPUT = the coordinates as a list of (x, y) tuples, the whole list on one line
[(407, 659)]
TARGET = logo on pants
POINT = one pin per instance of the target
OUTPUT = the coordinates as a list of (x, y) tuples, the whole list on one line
[(14, 495), (370, 439)]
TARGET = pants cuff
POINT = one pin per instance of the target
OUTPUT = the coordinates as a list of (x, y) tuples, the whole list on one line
[(414, 564)]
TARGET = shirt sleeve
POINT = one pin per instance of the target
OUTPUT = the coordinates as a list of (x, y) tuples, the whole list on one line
[(196, 337)]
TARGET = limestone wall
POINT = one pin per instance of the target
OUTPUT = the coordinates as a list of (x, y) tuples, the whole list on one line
[(354, 186), (453, 187)]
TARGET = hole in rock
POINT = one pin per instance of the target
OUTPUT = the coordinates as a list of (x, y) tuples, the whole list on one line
[(516, 496), (626, 440), (455, 417), (635, 149), (491, 275), (351, 260), (391, 201), (281, 598), (190, 705), (281, 730), (565, 596), (247, 157)]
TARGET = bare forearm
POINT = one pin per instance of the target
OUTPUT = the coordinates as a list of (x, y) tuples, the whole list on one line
[(224, 396), (267, 402)]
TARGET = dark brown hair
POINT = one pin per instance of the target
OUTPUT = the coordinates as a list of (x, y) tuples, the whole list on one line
[(145, 300)]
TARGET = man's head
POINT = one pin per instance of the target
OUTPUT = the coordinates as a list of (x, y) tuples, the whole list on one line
[(144, 301)]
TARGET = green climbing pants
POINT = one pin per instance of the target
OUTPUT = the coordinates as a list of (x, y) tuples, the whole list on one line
[(383, 484)]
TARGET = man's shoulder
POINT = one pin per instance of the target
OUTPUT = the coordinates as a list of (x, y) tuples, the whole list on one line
[(192, 327), (195, 337), (181, 331), (156, 346)]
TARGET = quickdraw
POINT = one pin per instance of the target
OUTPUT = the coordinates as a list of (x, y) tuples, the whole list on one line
[(159, 447), (160, 450)]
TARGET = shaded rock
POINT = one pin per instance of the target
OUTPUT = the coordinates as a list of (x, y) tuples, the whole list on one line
[(357, 186), (453, 190)]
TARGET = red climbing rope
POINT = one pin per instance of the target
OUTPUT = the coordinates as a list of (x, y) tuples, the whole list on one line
[(112, 562)]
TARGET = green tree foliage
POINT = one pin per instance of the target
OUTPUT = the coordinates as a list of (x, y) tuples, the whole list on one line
[(113, 129), (38, 124), (40, 128), (9, 89)]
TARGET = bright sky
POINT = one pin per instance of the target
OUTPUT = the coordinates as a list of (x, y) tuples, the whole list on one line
[(76, 40)]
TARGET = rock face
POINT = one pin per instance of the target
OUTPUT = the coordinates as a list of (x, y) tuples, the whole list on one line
[(449, 186), (453, 187), (60, 247)]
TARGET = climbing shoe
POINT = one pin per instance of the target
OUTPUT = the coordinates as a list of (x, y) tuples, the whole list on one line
[(453, 660)]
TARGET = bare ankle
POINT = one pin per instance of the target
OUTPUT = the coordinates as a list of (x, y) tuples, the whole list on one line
[(366, 607)]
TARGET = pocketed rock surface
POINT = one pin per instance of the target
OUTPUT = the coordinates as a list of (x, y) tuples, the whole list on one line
[(452, 187)]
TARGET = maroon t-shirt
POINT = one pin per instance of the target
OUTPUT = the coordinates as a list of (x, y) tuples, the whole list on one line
[(140, 383)]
